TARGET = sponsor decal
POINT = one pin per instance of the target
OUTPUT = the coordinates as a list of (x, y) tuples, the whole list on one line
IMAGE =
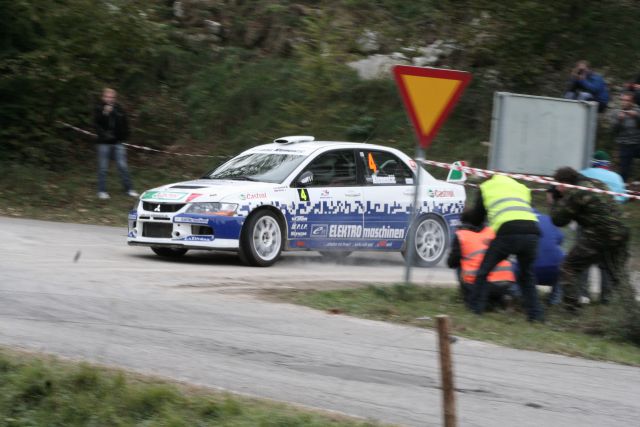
[(192, 196), (343, 230), (164, 195), (303, 194), (199, 238), (319, 230), (279, 189), (412, 165), (324, 194), (299, 226), (384, 179), (358, 232), (253, 196), (131, 234), (299, 218), (298, 234), (190, 220), (408, 181), (133, 215), (440, 193)]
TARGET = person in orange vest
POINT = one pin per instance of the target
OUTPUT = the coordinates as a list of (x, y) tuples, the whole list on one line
[(467, 252)]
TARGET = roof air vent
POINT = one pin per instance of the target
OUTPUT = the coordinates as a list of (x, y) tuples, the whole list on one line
[(294, 139)]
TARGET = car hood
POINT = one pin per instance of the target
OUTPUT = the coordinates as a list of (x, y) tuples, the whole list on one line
[(208, 190)]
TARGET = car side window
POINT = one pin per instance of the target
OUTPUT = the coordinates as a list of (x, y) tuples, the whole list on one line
[(333, 169), (384, 168)]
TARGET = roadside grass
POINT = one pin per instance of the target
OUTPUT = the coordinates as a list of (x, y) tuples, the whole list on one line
[(70, 195), (565, 334), (45, 391)]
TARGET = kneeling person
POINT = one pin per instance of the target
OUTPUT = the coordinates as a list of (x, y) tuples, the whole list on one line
[(467, 252)]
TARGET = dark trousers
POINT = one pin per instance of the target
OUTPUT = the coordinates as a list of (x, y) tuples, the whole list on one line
[(628, 152), (524, 247), (611, 259), (119, 153), (496, 294)]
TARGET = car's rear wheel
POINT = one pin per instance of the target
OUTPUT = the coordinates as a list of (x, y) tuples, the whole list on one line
[(429, 243), (168, 252), (261, 239), (335, 255)]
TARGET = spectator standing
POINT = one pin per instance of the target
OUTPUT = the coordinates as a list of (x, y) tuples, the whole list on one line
[(587, 85), (507, 205), (635, 89), (625, 123), (603, 237), (112, 127), (467, 252)]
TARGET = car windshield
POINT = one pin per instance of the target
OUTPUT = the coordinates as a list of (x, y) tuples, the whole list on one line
[(263, 167)]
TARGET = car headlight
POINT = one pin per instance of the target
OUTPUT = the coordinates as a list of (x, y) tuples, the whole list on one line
[(212, 208)]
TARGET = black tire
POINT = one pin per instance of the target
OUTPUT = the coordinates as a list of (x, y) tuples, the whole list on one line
[(335, 255), (261, 240), (168, 252), (429, 243)]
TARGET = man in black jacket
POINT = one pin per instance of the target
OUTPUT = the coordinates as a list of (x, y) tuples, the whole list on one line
[(113, 129)]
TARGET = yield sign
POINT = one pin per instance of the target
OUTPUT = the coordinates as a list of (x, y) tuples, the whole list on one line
[(429, 95)]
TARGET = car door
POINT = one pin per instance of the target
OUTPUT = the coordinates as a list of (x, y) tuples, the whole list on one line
[(328, 210), (388, 195)]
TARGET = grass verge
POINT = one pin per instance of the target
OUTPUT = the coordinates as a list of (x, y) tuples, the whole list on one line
[(44, 391), (562, 334)]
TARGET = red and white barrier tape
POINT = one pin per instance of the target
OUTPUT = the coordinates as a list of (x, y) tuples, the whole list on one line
[(485, 173), (140, 147)]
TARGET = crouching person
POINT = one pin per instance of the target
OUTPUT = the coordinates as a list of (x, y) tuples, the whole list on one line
[(467, 252)]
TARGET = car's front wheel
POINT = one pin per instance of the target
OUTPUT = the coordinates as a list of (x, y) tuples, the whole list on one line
[(261, 239), (168, 252), (429, 241)]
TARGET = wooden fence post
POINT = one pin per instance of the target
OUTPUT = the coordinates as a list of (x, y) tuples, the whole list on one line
[(446, 369)]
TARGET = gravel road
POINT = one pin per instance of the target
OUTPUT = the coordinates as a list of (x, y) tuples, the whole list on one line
[(78, 291)]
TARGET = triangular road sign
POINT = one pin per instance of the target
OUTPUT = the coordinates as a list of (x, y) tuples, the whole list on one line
[(429, 95)]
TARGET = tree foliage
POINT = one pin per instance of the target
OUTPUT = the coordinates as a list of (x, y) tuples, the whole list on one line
[(54, 57), (279, 65)]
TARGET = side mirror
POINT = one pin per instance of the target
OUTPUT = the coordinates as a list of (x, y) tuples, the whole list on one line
[(306, 178)]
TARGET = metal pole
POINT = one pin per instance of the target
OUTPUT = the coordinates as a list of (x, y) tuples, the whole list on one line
[(409, 260), (446, 369)]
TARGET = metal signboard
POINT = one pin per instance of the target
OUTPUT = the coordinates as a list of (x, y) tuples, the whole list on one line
[(537, 135)]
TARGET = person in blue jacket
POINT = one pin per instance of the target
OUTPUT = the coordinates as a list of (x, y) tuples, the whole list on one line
[(586, 85), (549, 257), (601, 170)]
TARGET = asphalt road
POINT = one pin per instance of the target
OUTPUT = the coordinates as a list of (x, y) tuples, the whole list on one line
[(78, 291)]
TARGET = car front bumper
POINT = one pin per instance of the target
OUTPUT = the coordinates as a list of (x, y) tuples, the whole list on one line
[(187, 231)]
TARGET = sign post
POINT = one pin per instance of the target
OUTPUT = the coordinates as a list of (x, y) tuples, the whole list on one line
[(429, 95)]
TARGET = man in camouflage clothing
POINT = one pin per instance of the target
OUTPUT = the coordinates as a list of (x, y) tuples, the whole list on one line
[(603, 238)]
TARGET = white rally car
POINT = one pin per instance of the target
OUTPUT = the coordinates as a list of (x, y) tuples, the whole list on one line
[(301, 194)]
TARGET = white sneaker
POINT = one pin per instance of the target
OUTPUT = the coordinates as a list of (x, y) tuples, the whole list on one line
[(132, 193), (103, 195), (584, 300)]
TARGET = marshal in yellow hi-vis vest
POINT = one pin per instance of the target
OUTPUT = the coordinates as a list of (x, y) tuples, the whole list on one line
[(505, 199)]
